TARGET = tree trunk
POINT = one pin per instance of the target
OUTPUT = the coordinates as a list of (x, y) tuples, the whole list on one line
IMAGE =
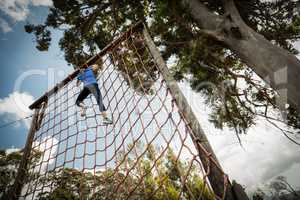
[(275, 65)]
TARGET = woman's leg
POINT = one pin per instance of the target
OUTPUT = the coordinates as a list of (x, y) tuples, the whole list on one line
[(96, 92), (79, 101), (94, 89)]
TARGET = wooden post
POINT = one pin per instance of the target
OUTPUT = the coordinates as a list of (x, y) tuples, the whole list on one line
[(216, 176), (16, 188)]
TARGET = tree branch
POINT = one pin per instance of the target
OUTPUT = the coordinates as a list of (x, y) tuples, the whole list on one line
[(205, 18), (231, 10), (216, 34), (284, 132)]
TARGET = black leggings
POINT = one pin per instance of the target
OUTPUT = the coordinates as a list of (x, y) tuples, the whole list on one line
[(94, 89)]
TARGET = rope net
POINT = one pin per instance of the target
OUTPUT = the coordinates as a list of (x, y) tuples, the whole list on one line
[(147, 153)]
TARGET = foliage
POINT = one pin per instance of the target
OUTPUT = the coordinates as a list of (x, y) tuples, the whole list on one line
[(9, 163), (152, 176), (132, 60), (8, 169), (277, 189), (236, 96), (142, 182)]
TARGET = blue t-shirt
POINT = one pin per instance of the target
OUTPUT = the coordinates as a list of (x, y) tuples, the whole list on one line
[(87, 76)]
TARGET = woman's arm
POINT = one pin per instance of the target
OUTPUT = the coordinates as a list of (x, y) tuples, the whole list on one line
[(78, 83), (79, 78)]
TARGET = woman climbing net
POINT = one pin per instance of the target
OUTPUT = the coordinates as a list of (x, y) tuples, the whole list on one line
[(88, 77)]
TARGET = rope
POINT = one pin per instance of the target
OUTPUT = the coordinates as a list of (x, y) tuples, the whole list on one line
[(15, 121), (119, 160)]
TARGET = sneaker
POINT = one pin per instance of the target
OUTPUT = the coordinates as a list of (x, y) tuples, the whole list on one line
[(82, 111), (106, 120)]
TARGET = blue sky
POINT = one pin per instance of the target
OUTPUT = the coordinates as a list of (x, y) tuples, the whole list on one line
[(20, 58)]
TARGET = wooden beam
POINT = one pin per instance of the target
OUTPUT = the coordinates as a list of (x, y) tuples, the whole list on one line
[(216, 176), (136, 27), (15, 190)]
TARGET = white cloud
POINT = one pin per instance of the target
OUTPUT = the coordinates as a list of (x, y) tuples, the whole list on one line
[(4, 26), (11, 150), (16, 106), (18, 10), (42, 2), (48, 147), (266, 154)]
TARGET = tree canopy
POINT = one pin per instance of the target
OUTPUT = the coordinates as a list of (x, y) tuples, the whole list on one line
[(277, 189), (165, 182), (201, 56), (9, 164), (142, 183)]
